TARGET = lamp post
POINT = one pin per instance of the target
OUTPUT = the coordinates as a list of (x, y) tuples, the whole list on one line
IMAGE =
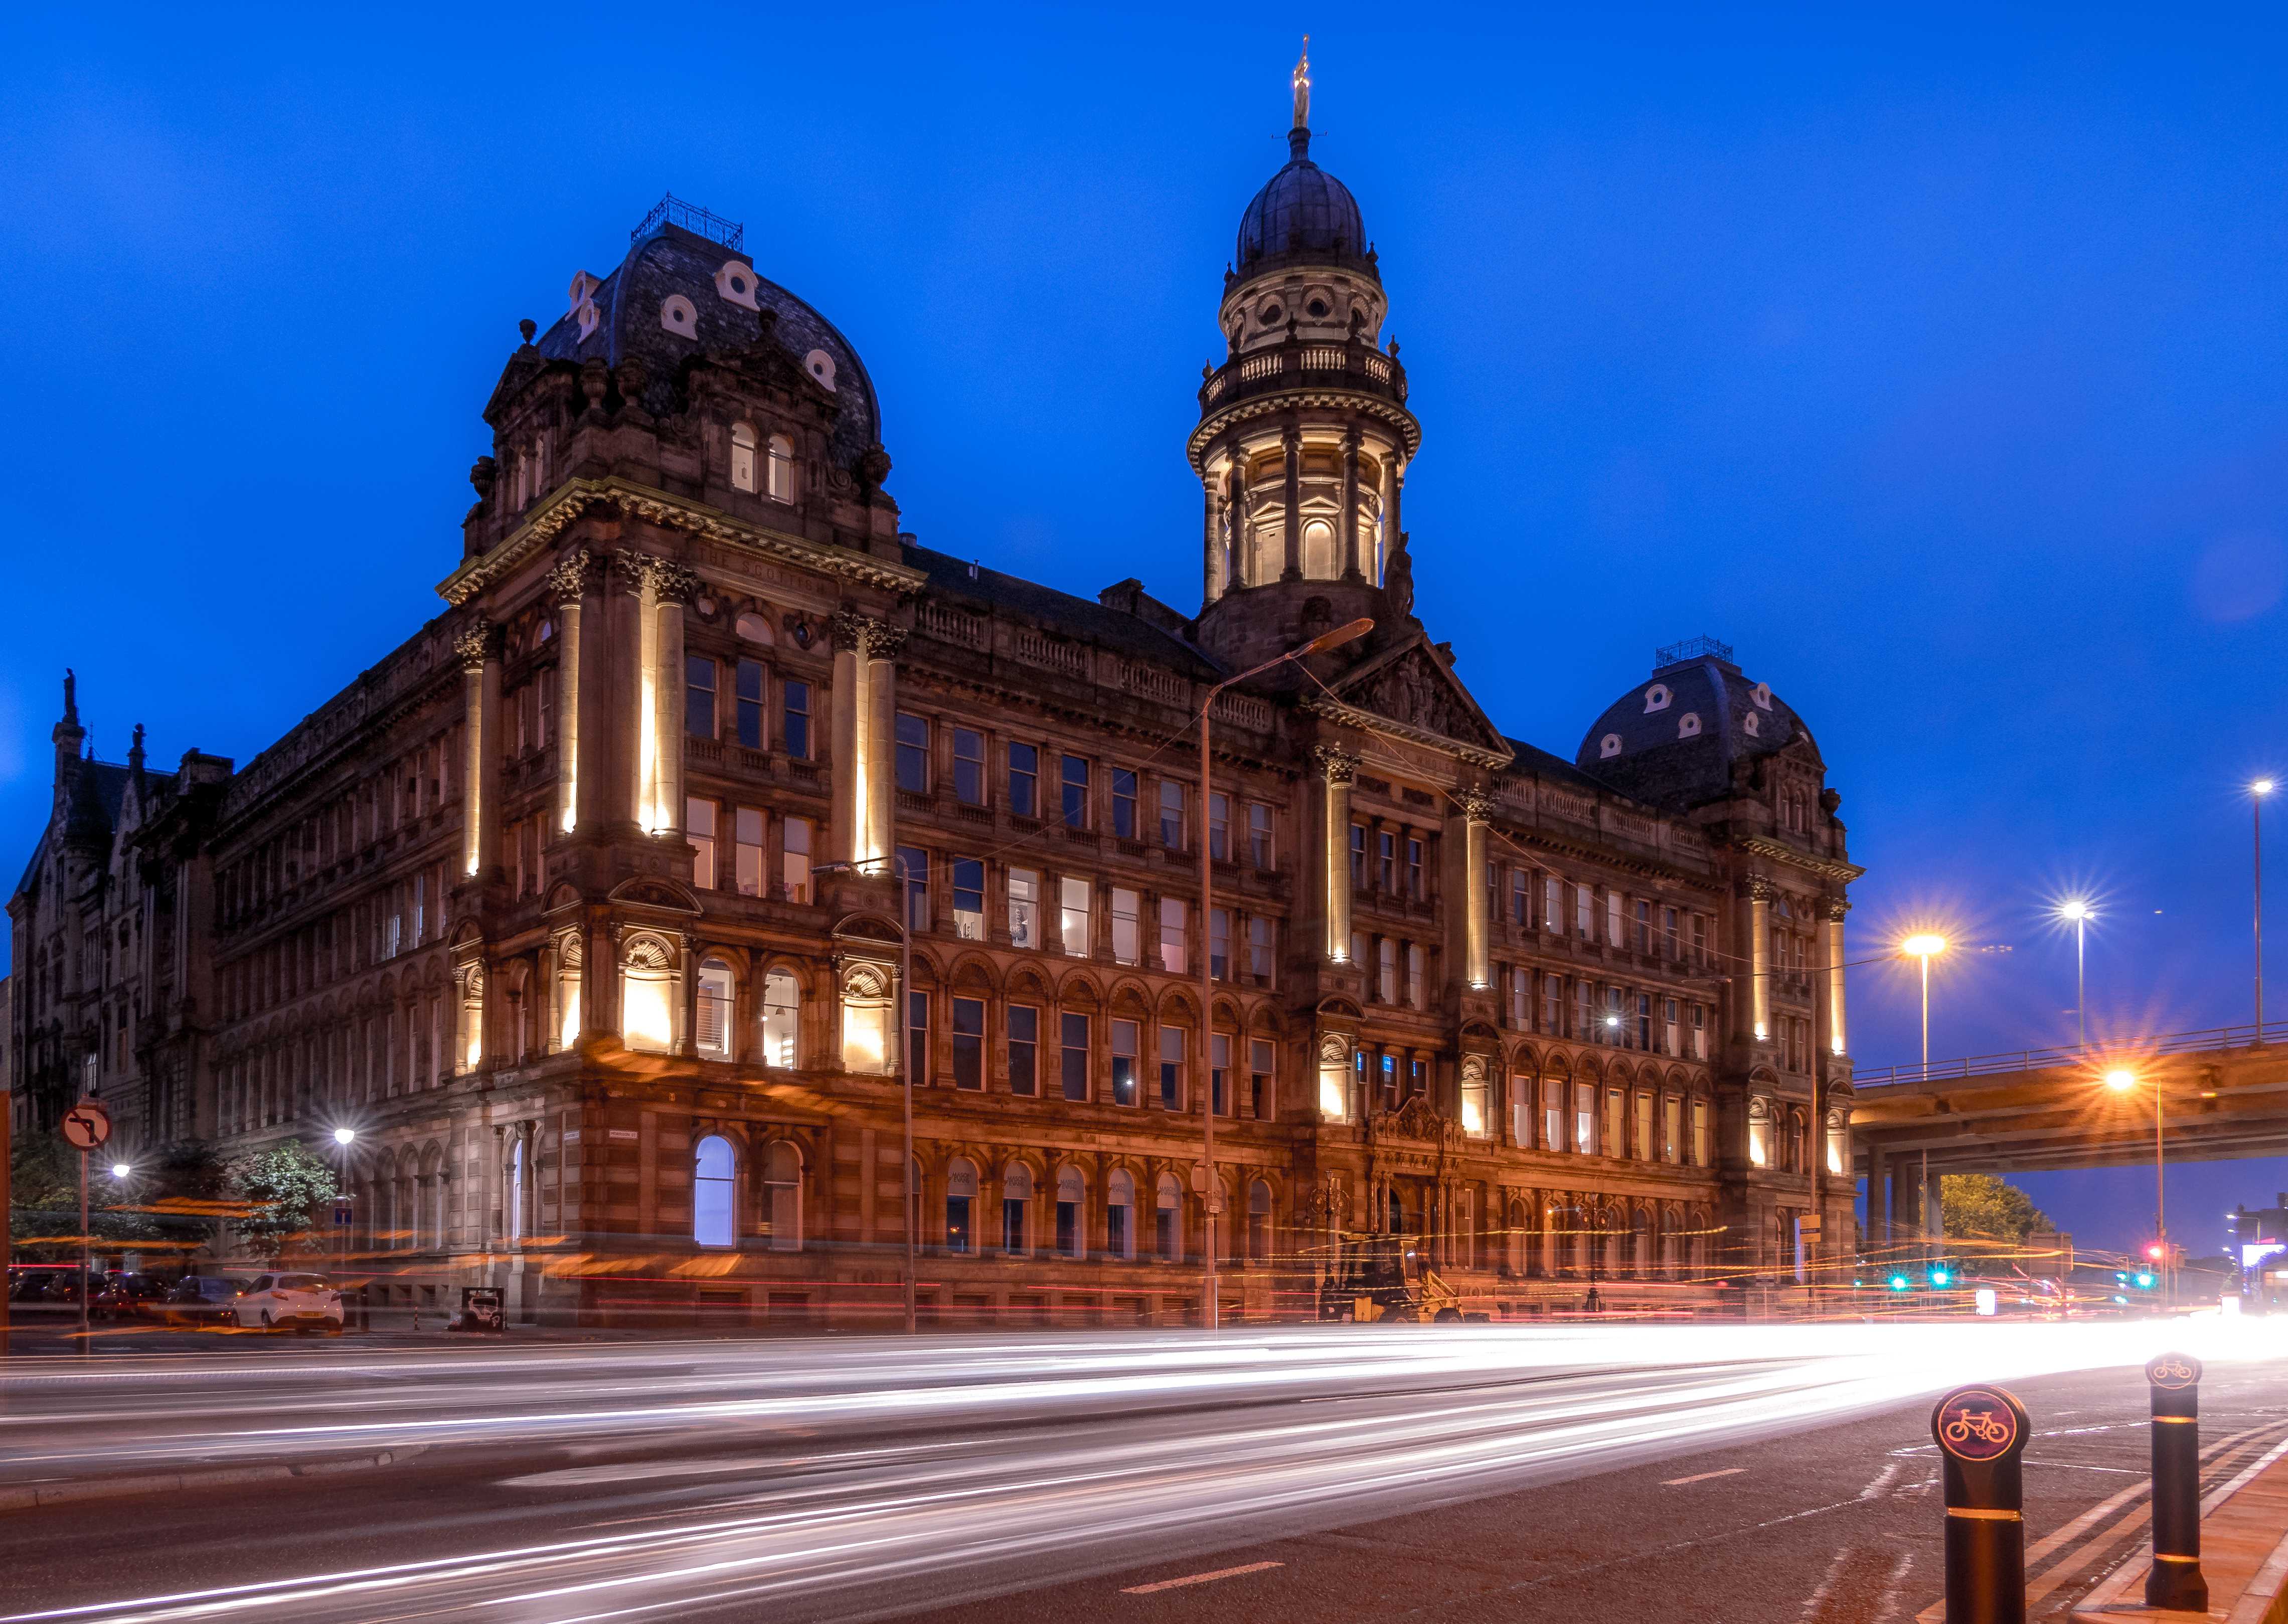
[(1212, 1191), (344, 1137), (1925, 947), (2257, 791), (902, 1013), (2077, 913), (2121, 1080)]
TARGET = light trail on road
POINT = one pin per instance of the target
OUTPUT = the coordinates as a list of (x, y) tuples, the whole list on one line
[(638, 1481)]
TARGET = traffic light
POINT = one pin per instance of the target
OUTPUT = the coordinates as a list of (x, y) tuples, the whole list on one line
[(1941, 1275), (1900, 1282), (2144, 1280)]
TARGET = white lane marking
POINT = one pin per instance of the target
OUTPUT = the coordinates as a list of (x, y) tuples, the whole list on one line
[(1817, 1601), (1883, 1480), (1200, 1578), (1887, 1607), (1729, 1471)]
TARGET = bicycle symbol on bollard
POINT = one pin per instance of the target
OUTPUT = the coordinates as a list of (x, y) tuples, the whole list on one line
[(2172, 1370), (1976, 1424)]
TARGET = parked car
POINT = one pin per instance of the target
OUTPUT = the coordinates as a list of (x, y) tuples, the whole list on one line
[(202, 1299), (290, 1302), (52, 1285), (121, 1296)]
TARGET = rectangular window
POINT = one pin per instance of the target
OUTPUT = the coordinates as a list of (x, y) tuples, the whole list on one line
[(917, 1049), (968, 767), (1219, 1074), (1613, 938), (1414, 977), (1584, 1119), (913, 754), (969, 1043), (1644, 927), (1024, 907), (1414, 882), (1390, 1082), (794, 860), (1072, 1032), (1123, 1062), (1477, 1109), (1700, 939), (1700, 1032), (1553, 1005), (747, 690), (1358, 857), (1520, 999), (1173, 930), (913, 866), (1219, 943), (1261, 1058), (1671, 1124), (1584, 913), (1126, 949), (1668, 944), (1359, 949), (1171, 1068), (1219, 828), (1074, 777), (1025, 1049), (699, 696), (1258, 835), (1644, 1020), (1553, 1115), (1521, 899), (1643, 1147), (1668, 1032), (1024, 781), (794, 719), (1700, 1133), (1387, 969), (1584, 1011), (1171, 815), (1123, 803), (1074, 898), (969, 898), (1615, 1124), (699, 829), (1258, 947), (547, 685), (1385, 847)]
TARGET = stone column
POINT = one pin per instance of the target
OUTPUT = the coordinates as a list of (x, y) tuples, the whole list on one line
[(1215, 574), (1242, 526), (848, 840), (1350, 532), (865, 738), (672, 587), (883, 641), (1337, 768), (480, 712), (1290, 439), (1838, 1042), (566, 583), (1760, 959), (1477, 809), (1394, 485), (1933, 1207), (629, 796)]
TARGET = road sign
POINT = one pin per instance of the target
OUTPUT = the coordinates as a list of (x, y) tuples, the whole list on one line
[(1810, 1226), (86, 1126)]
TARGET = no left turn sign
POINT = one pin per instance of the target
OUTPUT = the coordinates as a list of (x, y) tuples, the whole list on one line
[(86, 1126)]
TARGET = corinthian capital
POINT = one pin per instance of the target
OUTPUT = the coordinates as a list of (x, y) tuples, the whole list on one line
[(478, 644), (865, 636), (630, 570), (1477, 806), (1338, 765), (569, 579), (1835, 907), (673, 583), (1756, 888)]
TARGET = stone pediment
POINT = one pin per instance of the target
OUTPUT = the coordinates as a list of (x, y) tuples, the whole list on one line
[(1417, 1120), (1411, 687)]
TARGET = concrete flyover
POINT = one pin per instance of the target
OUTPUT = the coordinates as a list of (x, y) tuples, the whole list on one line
[(2223, 1092)]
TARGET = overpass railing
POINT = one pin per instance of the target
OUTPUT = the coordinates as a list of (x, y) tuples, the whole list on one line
[(2075, 1054)]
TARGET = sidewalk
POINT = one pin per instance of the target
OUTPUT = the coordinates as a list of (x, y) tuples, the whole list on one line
[(2243, 1556)]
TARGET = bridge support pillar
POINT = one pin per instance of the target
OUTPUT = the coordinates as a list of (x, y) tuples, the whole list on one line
[(1878, 1198)]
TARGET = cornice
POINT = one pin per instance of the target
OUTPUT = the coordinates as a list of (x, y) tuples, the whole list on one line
[(1361, 401), (1825, 868), (1369, 721), (574, 497)]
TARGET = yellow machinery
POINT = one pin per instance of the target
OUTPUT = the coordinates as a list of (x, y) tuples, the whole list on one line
[(1376, 1277)]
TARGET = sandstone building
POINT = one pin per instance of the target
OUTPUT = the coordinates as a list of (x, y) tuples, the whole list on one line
[(582, 905)]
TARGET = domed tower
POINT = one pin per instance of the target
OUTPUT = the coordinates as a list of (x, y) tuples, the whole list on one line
[(1303, 437)]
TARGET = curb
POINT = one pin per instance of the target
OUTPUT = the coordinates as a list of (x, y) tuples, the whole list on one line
[(2252, 1525), (159, 1483)]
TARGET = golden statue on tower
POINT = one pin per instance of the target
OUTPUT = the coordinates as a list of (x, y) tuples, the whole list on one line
[(1303, 86)]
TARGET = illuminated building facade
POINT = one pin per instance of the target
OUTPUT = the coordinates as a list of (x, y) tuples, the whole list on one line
[(582, 904)]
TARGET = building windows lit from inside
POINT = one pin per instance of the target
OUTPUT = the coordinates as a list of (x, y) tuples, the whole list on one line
[(647, 996), (783, 1196), (1174, 930), (969, 1043), (1123, 1062), (1072, 1058), (794, 836), (743, 458), (781, 468), (1024, 907), (1477, 1110), (1127, 947), (699, 829), (1333, 1089), (747, 830), (782, 1013), (960, 1205), (714, 1188), (712, 1009), (1073, 903)]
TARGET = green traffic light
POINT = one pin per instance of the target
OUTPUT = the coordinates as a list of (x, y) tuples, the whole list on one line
[(2144, 1280), (1899, 1283), (1940, 1277)]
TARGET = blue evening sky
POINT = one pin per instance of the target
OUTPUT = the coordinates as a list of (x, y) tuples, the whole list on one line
[(1932, 358)]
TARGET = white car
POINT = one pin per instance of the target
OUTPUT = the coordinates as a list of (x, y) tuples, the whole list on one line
[(290, 1302)]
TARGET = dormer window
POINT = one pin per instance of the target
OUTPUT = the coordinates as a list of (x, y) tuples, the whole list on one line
[(743, 458), (1752, 724), (736, 281), (1610, 746), (781, 468), (676, 316), (1763, 694), (1688, 725), (821, 366), (1657, 698)]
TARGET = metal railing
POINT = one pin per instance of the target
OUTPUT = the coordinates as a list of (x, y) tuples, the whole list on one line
[(2206, 1040), (674, 212)]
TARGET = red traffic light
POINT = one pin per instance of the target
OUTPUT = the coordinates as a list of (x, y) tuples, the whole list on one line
[(2154, 1251)]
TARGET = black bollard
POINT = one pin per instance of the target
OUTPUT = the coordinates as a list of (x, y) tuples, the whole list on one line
[(2176, 1580), (1980, 1431)]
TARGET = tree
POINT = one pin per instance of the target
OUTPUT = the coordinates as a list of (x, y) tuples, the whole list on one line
[(1980, 1207), (282, 1187), (43, 1196)]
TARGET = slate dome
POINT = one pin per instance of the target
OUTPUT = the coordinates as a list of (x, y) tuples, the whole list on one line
[(1302, 213), (1674, 739)]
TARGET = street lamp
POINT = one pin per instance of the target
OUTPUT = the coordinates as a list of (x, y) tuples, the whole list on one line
[(344, 1137), (119, 1170), (902, 1014), (2257, 791), (2121, 1080), (2077, 913), (1925, 948), (1212, 1191)]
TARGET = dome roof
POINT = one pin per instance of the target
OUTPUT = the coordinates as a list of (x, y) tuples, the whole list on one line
[(679, 293), (1302, 213), (1674, 740)]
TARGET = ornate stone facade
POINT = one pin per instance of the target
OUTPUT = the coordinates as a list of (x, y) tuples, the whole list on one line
[(583, 907)]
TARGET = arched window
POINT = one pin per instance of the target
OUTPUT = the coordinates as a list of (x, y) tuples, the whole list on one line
[(712, 1008), (1016, 1203), (743, 458), (960, 1206), (1258, 1222), (647, 995), (782, 469), (1640, 1244), (714, 1198), (1072, 1196), (514, 1200), (568, 990), (470, 1007), (1169, 1220), (782, 1013), (1319, 562), (754, 628), (1120, 1215), (782, 1193)]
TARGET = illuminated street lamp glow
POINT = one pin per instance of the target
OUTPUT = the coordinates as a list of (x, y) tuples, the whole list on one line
[(2262, 786), (2073, 910), (342, 1135), (2121, 1080), (119, 1170), (2076, 912)]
